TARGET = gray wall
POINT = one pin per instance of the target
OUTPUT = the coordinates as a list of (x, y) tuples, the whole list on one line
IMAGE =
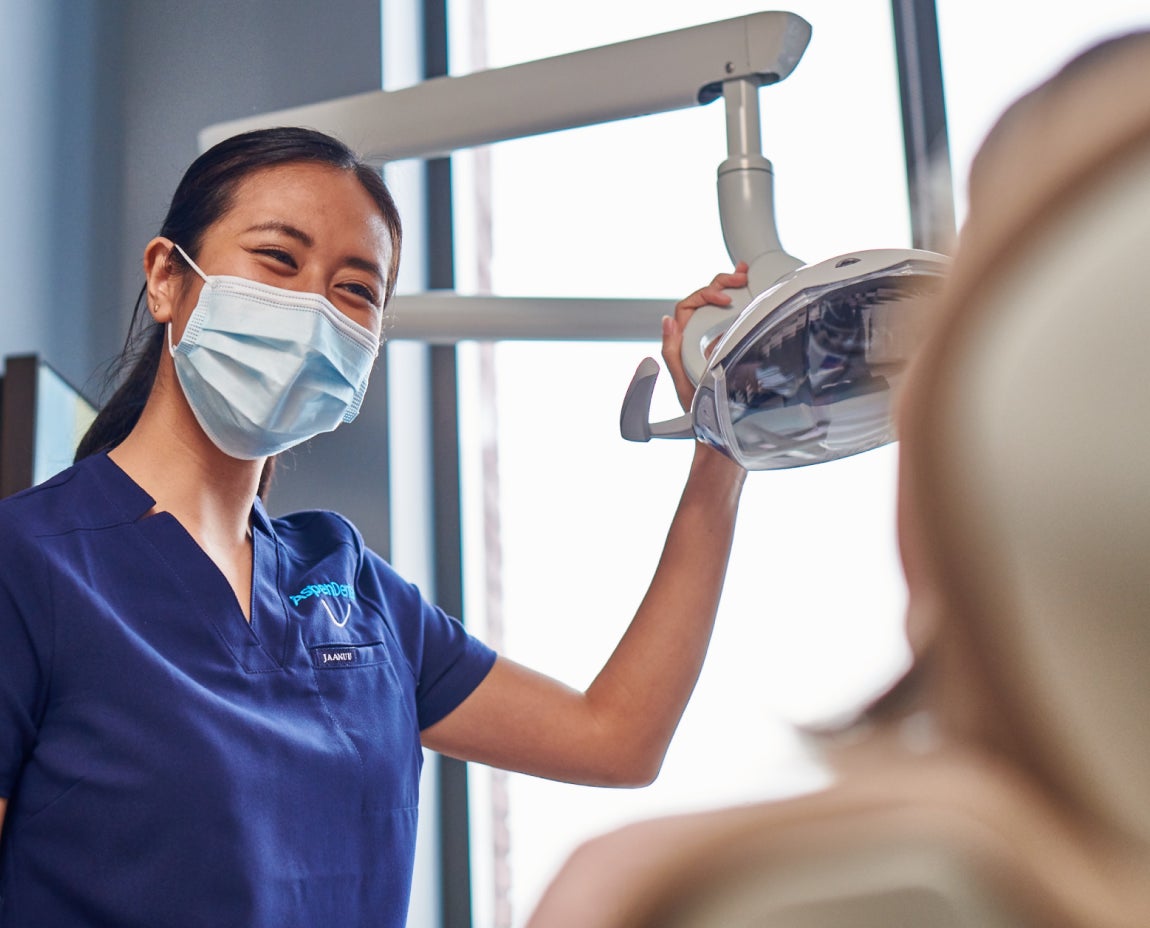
[(60, 193)]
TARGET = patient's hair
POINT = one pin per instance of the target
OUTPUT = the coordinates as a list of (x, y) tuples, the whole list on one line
[(1074, 69)]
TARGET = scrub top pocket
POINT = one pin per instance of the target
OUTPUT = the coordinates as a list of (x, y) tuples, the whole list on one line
[(348, 656), (367, 700)]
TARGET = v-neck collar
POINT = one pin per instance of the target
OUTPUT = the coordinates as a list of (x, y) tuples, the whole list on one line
[(258, 645)]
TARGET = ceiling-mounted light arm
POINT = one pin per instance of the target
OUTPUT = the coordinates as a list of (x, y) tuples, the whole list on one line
[(746, 189), (747, 214), (654, 74)]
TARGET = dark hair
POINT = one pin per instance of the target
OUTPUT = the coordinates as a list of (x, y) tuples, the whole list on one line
[(203, 197)]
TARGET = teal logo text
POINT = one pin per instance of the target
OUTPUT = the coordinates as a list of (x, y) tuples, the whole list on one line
[(330, 588)]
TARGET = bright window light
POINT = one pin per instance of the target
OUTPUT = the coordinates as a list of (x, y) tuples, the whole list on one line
[(565, 521)]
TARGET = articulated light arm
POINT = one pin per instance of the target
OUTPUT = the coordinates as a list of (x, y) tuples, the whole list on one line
[(655, 74)]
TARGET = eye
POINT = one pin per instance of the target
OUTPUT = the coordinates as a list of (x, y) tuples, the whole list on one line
[(363, 291), (277, 254)]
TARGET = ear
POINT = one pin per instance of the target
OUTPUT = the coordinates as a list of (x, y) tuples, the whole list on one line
[(163, 279)]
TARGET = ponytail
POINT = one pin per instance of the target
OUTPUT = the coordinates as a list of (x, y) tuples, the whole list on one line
[(140, 358)]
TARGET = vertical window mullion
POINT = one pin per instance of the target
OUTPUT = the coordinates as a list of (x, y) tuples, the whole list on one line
[(928, 170), (454, 828)]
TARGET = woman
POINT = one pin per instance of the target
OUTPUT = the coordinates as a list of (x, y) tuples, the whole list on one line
[(210, 717)]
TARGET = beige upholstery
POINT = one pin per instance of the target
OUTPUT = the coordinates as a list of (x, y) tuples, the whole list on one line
[(889, 883), (1046, 463)]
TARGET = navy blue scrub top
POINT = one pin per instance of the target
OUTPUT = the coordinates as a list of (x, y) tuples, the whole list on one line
[(168, 764)]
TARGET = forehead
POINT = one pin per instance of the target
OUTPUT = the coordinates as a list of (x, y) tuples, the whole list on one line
[(328, 203)]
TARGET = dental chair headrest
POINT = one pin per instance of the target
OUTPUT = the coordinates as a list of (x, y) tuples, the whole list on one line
[(1030, 420)]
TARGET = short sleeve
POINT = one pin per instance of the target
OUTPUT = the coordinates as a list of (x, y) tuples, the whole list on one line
[(25, 638), (447, 662), (454, 664)]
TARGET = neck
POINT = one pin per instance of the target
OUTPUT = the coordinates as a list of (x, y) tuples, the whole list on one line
[(169, 456)]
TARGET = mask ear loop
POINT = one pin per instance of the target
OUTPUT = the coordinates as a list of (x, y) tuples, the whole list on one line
[(192, 264), (195, 267)]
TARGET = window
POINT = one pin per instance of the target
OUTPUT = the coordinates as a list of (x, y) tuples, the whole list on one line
[(565, 520), (985, 69)]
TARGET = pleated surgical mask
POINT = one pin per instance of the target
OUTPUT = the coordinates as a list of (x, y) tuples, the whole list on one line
[(264, 368)]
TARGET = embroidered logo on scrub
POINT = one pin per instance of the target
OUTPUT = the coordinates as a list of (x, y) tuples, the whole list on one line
[(339, 612)]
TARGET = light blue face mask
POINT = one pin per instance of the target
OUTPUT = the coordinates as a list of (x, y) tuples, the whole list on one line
[(265, 368)]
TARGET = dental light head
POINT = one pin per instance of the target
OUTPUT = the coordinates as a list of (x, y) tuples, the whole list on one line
[(808, 355), (805, 373)]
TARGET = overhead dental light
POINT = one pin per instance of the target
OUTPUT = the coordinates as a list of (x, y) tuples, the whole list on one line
[(807, 356), (805, 373), (760, 395)]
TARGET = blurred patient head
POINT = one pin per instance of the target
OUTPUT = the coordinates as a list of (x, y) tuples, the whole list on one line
[(1025, 453)]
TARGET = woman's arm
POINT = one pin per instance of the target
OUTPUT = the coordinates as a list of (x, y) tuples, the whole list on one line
[(3, 809), (617, 732)]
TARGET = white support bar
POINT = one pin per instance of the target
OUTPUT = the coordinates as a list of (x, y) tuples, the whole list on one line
[(655, 74), (443, 317)]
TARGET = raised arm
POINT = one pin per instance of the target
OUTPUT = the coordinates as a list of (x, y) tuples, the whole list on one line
[(617, 732)]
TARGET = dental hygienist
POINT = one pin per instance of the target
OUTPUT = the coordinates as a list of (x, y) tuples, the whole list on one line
[(212, 717)]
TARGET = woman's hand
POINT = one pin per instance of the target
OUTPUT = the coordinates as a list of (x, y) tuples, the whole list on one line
[(673, 326)]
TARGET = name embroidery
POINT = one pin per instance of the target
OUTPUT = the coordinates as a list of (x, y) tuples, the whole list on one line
[(335, 657)]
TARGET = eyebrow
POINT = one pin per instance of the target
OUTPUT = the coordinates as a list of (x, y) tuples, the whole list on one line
[(362, 264), (275, 225)]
